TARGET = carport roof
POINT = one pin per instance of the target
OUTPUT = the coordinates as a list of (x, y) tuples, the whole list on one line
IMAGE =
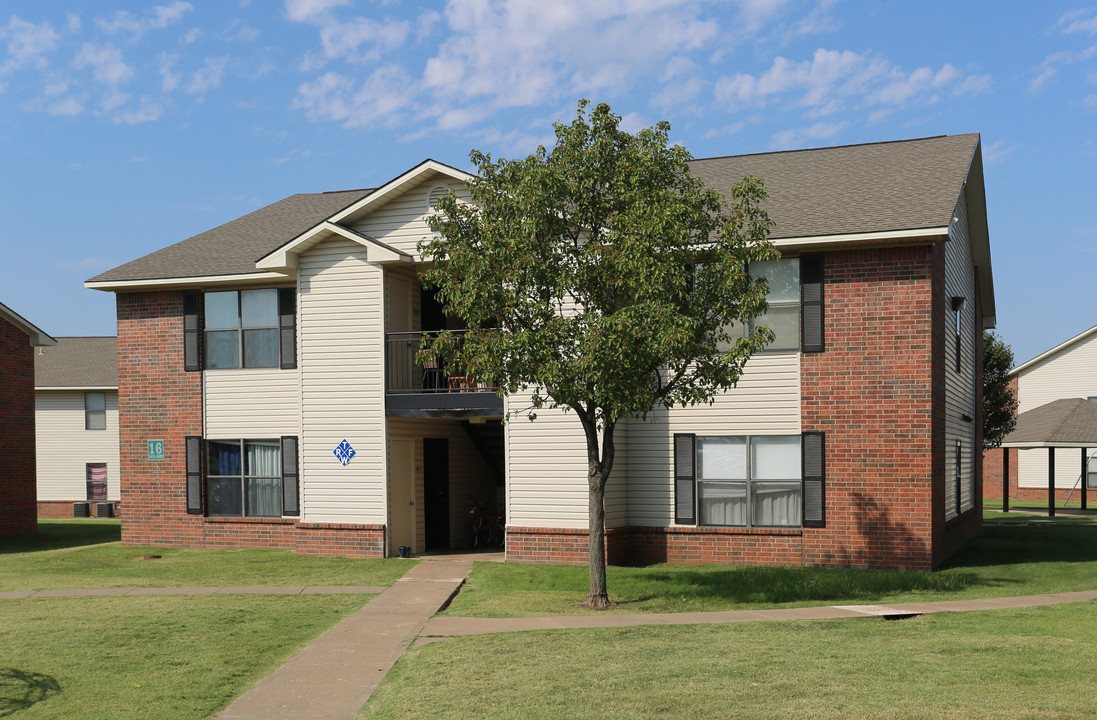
[(1061, 423)]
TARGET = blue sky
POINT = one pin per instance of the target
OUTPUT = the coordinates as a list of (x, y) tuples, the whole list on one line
[(128, 126)]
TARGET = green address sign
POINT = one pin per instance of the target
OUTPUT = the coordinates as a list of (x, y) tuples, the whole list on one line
[(156, 449)]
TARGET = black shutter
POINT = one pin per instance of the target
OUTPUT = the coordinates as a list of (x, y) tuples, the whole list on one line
[(812, 337), (685, 449), (192, 332), (290, 493), (287, 328), (813, 456), (194, 475)]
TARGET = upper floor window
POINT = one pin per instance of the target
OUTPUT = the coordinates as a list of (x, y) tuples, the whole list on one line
[(783, 316), (241, 329), (95, 411)]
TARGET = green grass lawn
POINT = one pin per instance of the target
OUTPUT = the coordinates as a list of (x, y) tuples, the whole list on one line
[(1016, 555), (87, 553), (1007, 664), (150, 657)]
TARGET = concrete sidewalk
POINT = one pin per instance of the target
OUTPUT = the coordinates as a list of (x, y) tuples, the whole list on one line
[(443, 627), (332, 678)]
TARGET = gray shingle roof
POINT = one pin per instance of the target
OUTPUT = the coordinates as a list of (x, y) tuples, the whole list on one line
[(1071, 422), (78, 362), (901, 185), (233, 248)]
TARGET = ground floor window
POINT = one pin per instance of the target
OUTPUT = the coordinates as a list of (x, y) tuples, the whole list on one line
[(749, 481), (96, 481), (244, 478)]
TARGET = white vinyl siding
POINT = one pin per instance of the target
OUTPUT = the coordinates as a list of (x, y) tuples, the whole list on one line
[(340, 341), (1069, 373), (251, 403), (960, 387), (765, 402), (64, 447), (469, 475), (401, 222), (547, 466)]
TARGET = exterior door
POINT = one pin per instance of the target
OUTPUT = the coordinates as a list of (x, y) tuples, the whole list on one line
[(402, 495), (436, 492)]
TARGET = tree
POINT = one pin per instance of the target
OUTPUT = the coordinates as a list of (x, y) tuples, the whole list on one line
[(602, 278), (999, 400)]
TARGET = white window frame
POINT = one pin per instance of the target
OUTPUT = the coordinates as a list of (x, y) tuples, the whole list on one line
[(749, 481)]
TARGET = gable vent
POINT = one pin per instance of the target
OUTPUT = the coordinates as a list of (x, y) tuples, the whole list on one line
[(435, 195)]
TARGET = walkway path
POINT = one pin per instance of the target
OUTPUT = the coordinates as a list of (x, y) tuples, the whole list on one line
[(332, 678)]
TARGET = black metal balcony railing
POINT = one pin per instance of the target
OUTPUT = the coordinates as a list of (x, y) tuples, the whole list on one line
[(405, 375)]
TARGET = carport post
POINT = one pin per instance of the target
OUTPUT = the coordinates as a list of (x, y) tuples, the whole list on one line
[(1051, 482), (1005, 479), (1085, 475)]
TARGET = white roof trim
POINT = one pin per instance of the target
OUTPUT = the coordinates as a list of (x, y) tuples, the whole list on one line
[(285, 257), (394, 186), (1081, 336), (242, 278), (935, 234), (37, 335), (1038, 445)]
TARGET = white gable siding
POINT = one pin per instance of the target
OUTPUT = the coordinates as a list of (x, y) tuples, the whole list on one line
[(252, 404), (1069, 373), (401, 222), (340, 342), (960, 391), (765, 402), (64, 447)]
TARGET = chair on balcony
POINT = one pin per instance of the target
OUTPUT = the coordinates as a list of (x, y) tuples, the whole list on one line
[(433, 377)]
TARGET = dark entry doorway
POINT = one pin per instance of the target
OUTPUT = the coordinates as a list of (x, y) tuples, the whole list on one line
[(436, 492)]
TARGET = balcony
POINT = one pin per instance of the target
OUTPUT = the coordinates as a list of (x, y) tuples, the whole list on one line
[(414, 390)]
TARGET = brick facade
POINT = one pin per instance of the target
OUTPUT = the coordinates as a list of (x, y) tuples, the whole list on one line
[(17, 471), (878, 393), (159, 400)]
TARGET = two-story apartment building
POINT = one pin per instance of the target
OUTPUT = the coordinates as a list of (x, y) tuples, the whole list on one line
[(272, 360), (76, 426), (18, 339)]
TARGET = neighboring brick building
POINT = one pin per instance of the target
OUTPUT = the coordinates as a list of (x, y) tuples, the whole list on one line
[(76, 426), (273, 358), (18, 338)]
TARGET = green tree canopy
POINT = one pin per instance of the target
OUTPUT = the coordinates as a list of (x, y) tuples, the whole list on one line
[(999, 400), (602, 278)]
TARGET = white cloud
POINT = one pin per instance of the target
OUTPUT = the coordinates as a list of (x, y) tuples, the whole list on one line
[(169, 78), (158, 18), (148, 111), (310, 10), (825, 84), (788, 139), (381, 98), (106, 63), (346, 40), (192, 36), (208, 77), (996, 152), (27, 43), (1078, 21), (67, 106)]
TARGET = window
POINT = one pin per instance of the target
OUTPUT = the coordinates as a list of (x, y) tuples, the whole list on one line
[(97, 481), (242, 325), (95, 411), (244, 478), (783, 316), (749, 481), (957, 307), (959, 476)]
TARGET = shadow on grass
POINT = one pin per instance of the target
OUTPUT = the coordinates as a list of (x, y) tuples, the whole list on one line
[(776, 585), (54, 535), (19, 690), (1015, 541)]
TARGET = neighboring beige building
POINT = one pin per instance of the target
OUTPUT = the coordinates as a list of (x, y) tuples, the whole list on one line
[(76, 421), (1068, 370)]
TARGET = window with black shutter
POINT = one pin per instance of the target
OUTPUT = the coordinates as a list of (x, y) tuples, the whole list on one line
[(812, 336), (813, 445), (291, 503), (684, 479), (192, 332), (194, 474)]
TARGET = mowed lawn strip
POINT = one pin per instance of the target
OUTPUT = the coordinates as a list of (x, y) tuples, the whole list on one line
[(150, 657), (1018, 555), (1027, 663), (88, 554)]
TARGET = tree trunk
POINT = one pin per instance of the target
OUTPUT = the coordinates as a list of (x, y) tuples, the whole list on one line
[(598, 469)]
